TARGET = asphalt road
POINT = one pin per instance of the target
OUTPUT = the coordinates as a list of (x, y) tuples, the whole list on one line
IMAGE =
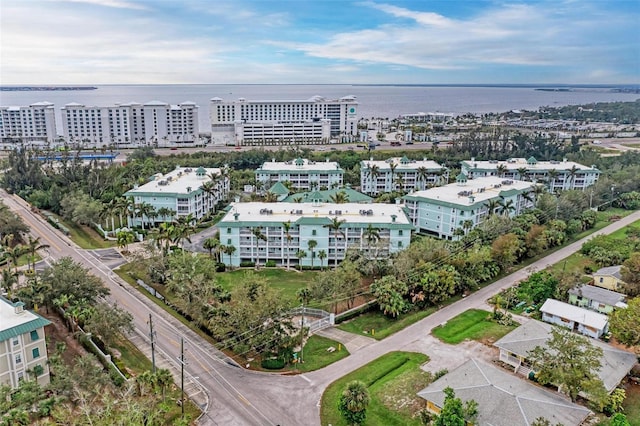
[(240, 397)]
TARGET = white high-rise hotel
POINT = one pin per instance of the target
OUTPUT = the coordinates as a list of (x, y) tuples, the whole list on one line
[(33, 124), (132, 124), (315, 120)]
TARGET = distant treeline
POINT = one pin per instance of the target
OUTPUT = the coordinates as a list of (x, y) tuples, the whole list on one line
[(610, 112)]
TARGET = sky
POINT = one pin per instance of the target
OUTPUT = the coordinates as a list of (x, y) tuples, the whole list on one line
[(319, 42)]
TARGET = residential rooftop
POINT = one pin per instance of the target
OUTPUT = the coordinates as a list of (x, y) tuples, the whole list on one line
[(176, 182), (472, 191), (15, 320), (353, 195), (531, 164), (504, 399), (374, 214), (575, 313), (402, 163), (616, 363), (598, 294), (299, 165), (614, 271)]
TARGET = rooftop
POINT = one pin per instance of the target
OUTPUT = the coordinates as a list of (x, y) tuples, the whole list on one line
[(14, 324), (616, 363), (574, 313), (601, 295), (610, 270), (472, 192), (529, 163), (352, 195), (402, 163), (313, 99), (375, 214), (299, 164), (175, 182), (504, 399)]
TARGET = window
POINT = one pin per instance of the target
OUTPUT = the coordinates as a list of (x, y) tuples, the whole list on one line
[(34, 335), (18, 359), (313, 232), (399, 243), (15, 341), (228, 230), (400, 232), (601, 280), (36, 353), (229, 241)]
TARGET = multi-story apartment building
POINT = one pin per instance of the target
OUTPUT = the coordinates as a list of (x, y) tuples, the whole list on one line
[(314, 120), (131, 125), (179, 193), (27, 125), (451, 210), (382, 176), (23, 348), (557, 175), (303, 174), (319, 233)]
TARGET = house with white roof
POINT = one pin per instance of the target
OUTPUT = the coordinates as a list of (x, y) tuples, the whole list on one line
[(514, 347), (597, 299), (301, 173), (23, 348), (380, 176), (181, 192), (583, 321), (447, 210), (503, 399), (557, 175), (322, 231)]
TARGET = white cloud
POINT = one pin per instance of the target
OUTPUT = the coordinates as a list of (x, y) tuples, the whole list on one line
[(122, 4)]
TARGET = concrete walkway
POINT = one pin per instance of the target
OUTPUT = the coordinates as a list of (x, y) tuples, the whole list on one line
[(353, 342)]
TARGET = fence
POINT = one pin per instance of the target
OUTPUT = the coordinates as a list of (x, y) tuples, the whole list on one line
[(324, 318)]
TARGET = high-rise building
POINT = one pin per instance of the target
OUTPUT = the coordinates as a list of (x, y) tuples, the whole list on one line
[(31, 125), (131, 125), (315, 120)]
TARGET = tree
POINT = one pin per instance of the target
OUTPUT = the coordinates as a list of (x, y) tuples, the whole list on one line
[(125, 238), (163, 379), (286, 227), (354, 402), (339, 197), (506, 250), (335, 226), (257, 236), (9, 279), (229, 250), (492, 205), (619, 419), (568, 361), (32, 246), (630, 272), (506, 207), (312, 244), (322, 255), (372, 235), (539, 287), (109, 322), (389, 293), (212, 244), (624, 323), (300, 254), (454, 412)]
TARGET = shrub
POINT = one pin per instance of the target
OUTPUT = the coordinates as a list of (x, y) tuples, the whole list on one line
[(247, 264), (220, 267), (273, 363), (270, 264)]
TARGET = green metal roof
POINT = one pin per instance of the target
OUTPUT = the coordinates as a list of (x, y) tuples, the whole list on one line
[(278, 188), (200, 171), (532, 160), (26, 327), (314, 221), (354, 196)]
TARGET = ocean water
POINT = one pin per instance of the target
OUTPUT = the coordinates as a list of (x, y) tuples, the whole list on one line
[(374, 101)]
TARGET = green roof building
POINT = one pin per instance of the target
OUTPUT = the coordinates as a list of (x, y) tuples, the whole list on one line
[(329, 196), (302, 173), (378, 177)]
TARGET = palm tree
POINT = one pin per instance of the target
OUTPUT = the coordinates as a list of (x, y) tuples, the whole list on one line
[(163, 379), (164, 212), (492, 205), (300, 254), (14, 253), (228, 250), (33, 245), (124, 238), (322, 255), (211, 244), (335, 227), (400, 183), (506, 207), (9, 279), (257, 235), (312, 244), (522, 173), (392, 168), (122, 207), (354, 402), (552, 174), (339, 197), (286, 226), (184, 228), (501, 169), (373, 173), (422, 176), (573, 172), (371, 234), (467, 225)]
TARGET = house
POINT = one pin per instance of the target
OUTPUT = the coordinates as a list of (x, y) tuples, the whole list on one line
[(514, 347), (378, 177), (584, 321), (258, 231), (609, 277), (23, 348), (503, 399), (179, 193), (557, 175), (452, 210), (301, 173), (596, 298)]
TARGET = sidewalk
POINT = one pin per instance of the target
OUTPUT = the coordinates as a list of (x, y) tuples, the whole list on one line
[(353, 342)]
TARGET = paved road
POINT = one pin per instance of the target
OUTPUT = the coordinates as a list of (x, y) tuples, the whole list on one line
[(240, 397)]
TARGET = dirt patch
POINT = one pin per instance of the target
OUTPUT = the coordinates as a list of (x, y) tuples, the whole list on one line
[(57, 332)]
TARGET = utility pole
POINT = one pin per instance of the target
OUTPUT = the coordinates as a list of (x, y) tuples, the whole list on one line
[(182, 374), (302, 334), (152, 336)]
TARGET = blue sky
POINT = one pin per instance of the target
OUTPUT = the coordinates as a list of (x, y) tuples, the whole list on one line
[(321, 41)]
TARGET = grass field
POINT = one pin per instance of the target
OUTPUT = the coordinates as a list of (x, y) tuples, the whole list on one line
[(377, 325), (84, 236), (392, 380), (287, 281), (316, 356), (471, 325)]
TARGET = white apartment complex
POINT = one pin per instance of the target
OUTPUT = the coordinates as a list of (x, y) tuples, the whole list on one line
[(179, 193), (31, 125), (303, 174), (257, 232), (448, 210), (396, 173), (315, 120), (557, 175), (131, 125), (23, 348)]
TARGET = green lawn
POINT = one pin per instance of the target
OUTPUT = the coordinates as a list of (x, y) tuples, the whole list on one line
[(85, 236), (316, 356), (473, 325), (377, 325), (287, 281), (392, 380), (631, 407)]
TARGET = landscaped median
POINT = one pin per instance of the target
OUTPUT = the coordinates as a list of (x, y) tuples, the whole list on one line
[(474, 324), (393, 381)]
